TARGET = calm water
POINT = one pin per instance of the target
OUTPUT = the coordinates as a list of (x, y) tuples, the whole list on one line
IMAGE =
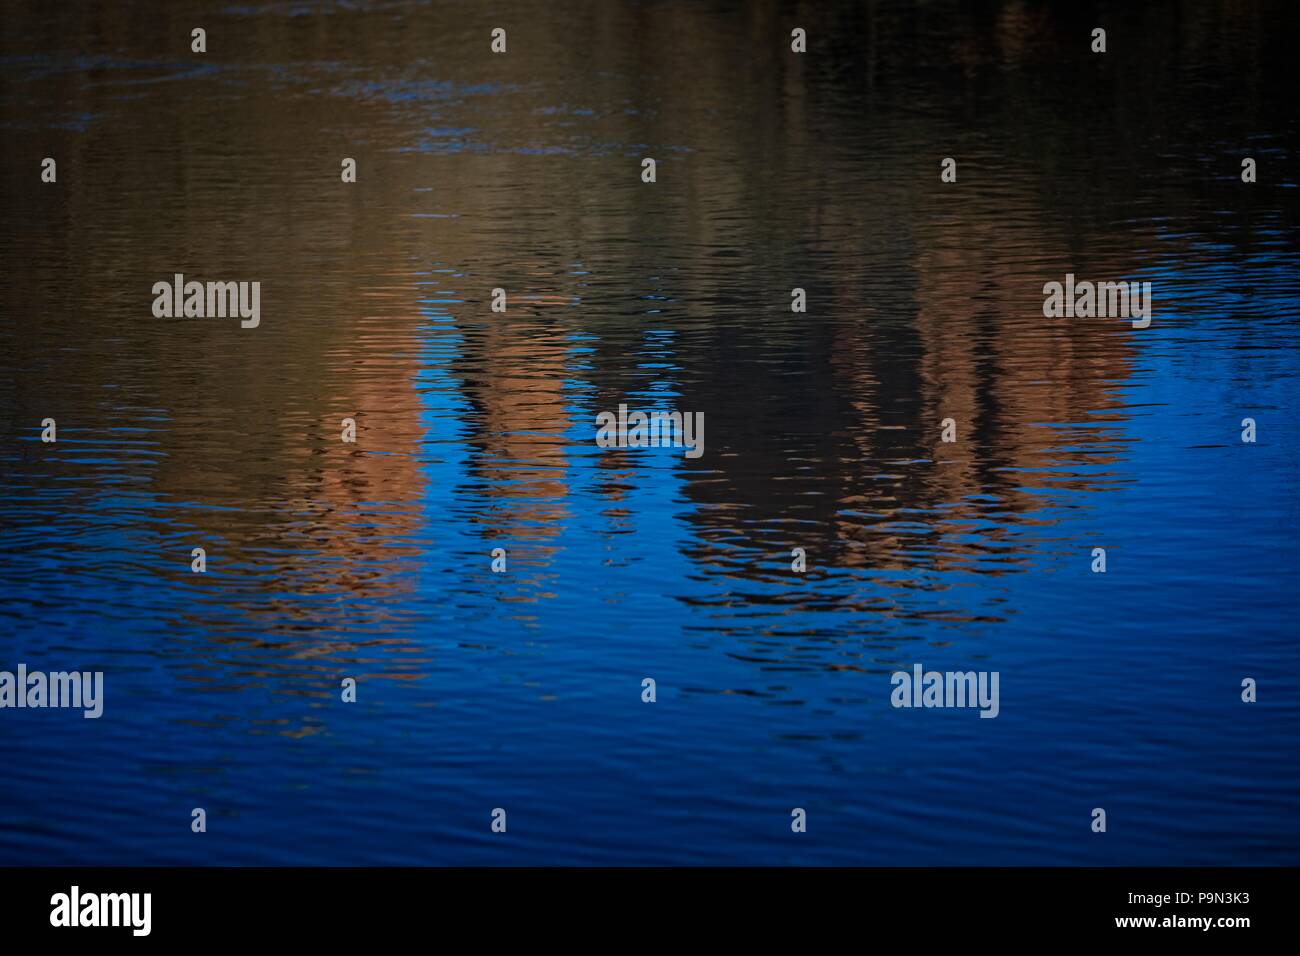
[(476, 430)]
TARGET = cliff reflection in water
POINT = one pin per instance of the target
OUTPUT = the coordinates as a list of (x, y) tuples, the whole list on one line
[(476, 430)]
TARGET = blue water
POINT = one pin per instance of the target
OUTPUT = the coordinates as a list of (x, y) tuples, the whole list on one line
[(522, 690)]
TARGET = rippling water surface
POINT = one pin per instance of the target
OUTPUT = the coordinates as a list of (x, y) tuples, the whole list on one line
[(475, 430)]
